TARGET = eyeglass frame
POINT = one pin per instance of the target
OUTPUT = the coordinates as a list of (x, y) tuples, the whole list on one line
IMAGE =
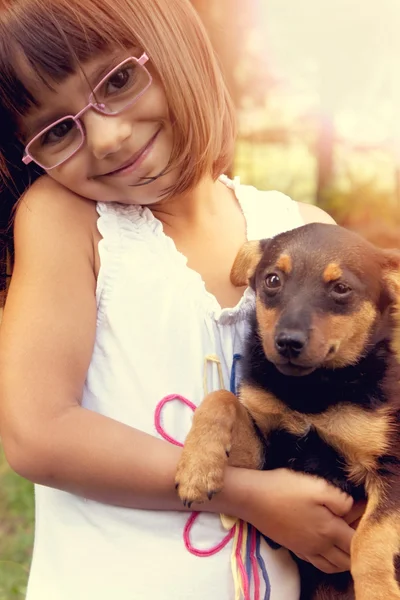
[(27, 158)]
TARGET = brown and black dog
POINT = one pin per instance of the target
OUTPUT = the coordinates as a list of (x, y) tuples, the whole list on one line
[(320, 392)]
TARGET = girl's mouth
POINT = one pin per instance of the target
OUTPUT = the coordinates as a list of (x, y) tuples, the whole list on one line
[(135, 161)]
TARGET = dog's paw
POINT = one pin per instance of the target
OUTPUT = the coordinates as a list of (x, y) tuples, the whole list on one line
[(200, 473)]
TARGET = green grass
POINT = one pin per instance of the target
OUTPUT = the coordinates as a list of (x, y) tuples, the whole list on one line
[(16, 532)]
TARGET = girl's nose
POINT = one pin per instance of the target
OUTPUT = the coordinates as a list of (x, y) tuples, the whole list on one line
[(106, 134)]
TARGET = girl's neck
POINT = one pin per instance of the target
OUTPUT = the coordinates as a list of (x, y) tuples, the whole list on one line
[(192, 209), (208, 227)]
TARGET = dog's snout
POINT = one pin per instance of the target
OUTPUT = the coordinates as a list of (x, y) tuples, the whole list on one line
[(290, 343)]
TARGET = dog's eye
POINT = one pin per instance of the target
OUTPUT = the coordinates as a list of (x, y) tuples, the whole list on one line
[(341, 289), (273, 281)]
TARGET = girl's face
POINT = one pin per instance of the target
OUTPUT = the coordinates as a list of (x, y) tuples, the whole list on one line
[(121, 153)]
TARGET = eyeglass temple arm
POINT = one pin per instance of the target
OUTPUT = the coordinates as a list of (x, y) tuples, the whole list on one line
[(143, 59)]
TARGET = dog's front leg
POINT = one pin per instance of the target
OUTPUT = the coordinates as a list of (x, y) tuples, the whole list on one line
[(375, 551), (222, 432)]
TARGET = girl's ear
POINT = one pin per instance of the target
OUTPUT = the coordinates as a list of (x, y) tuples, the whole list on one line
[(246, 263)]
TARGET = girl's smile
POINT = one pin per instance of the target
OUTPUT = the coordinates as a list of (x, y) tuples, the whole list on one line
[(133, 164)]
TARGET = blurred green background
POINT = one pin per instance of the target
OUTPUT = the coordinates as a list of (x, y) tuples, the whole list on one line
[(317, 89), (16, 532)]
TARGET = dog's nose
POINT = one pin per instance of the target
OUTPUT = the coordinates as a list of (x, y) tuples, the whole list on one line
[(290, 343)]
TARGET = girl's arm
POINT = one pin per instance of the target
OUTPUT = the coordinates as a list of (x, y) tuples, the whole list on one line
[(46, 343)]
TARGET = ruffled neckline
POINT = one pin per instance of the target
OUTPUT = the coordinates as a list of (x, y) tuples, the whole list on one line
[(140, 217)]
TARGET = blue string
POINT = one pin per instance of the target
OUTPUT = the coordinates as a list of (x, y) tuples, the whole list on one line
[(249, 569), (264, 572), (233, 382)]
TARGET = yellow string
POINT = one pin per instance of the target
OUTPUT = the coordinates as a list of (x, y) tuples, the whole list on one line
[(212, 358), (227, 521)]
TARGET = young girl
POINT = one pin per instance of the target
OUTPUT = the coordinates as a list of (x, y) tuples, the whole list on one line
[(117, 126)]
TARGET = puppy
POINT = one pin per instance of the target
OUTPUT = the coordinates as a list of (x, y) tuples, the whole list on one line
[(320, 392)]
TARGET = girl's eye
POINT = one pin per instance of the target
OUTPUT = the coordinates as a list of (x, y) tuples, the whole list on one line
[(58, 132), (273, 281), (341, 290), (120, 80)]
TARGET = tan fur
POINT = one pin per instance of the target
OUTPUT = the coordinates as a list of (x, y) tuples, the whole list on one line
[(285, 264), (245, 263), (359, 435), (267, 319), (349, 336), (267, 411), (355, 433), (222, 429), (396, 338), (333, 272), (374, 546)]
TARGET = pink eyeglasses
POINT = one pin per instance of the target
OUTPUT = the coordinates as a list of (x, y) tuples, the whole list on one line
[(117, 91)]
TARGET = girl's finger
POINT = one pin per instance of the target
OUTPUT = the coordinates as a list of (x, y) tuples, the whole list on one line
[(321, 563)]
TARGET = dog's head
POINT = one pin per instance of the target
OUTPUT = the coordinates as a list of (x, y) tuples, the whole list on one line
[(324, 296)]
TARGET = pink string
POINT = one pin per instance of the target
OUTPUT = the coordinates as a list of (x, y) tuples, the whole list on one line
[(203, 553), (157, 416), (189, 524)]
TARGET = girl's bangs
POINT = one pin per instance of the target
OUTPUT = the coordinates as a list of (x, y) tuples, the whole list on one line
[(46, 43)]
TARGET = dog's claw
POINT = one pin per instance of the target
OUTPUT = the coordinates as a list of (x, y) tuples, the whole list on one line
[(200, 472)]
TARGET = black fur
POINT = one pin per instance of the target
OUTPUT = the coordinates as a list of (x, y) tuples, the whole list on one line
[(308, 454)]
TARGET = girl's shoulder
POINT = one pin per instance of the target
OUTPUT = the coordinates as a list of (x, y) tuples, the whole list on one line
[(46, 199), (48, 214)]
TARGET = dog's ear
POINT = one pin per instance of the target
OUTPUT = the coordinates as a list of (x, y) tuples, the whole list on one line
[(391, 278), (391, 274), (246, 263)]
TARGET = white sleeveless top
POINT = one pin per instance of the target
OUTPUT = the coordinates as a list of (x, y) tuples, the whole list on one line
[(158, 333)]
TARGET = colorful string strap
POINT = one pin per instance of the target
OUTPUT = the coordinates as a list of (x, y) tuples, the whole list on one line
[(251, 550), (246, 557)]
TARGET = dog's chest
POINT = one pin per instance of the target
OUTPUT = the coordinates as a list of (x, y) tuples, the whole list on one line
[(343, 442), (307, 453)]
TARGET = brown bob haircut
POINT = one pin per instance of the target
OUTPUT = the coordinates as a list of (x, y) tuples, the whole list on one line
[(54, 37)]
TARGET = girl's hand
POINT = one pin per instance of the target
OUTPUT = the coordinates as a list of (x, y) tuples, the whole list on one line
[(353, 517), (302, 513)]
